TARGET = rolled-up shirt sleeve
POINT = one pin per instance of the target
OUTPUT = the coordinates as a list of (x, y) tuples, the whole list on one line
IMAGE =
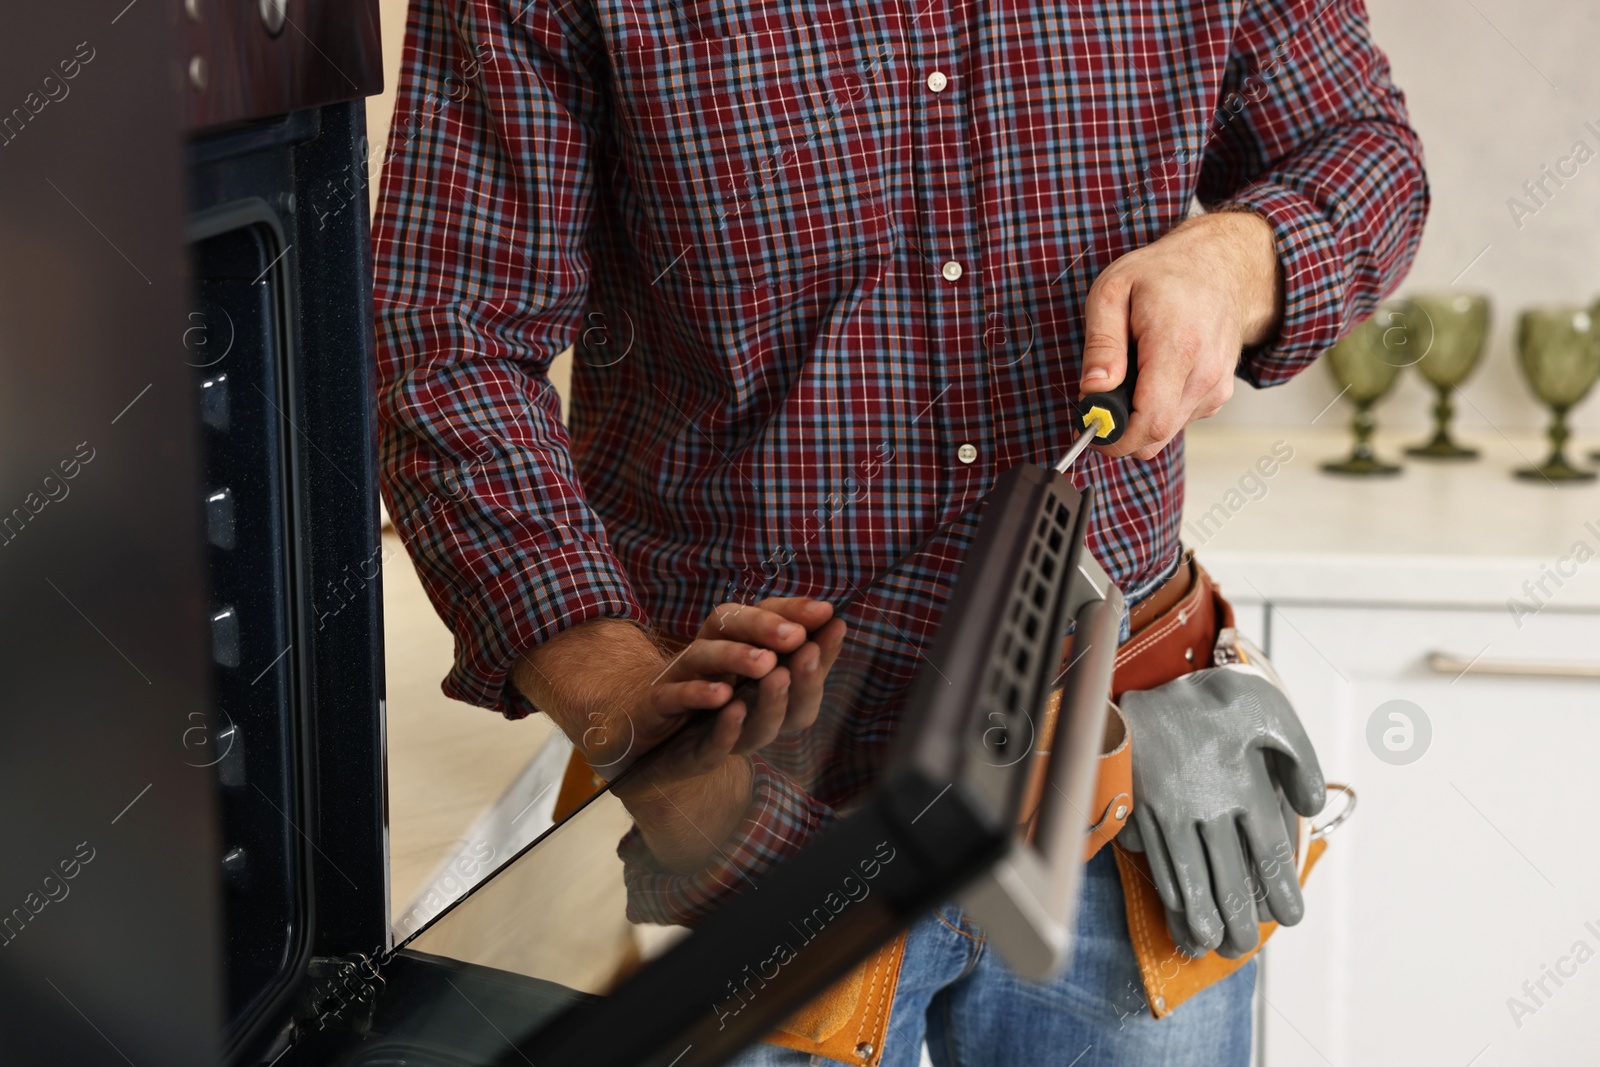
[(481, 279), (1312, 134), (781, 820)]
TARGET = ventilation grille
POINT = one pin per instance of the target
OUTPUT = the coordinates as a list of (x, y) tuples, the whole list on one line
[(1030, 637)]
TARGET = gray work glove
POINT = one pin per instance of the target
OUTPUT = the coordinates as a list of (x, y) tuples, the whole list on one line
[(1215, 755)]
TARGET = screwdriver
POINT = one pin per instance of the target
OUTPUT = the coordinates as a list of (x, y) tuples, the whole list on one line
[(1105, 415)]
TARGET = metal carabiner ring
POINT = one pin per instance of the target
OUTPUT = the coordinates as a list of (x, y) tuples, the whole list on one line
[(1344, 813)]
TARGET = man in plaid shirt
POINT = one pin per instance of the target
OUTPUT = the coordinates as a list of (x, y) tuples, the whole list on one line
[(830, 270)]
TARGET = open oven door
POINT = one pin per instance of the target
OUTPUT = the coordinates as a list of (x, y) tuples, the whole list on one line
[(580, 950)]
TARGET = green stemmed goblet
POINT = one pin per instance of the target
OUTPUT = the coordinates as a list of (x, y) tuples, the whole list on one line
[(1559, 351), (1367, 363), (1594, 314), (1449, 331)]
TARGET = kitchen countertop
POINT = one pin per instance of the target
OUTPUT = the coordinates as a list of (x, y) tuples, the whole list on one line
[(1438, 533)]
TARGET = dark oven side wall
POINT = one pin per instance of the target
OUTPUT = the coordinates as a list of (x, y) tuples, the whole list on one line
[(281, 345)]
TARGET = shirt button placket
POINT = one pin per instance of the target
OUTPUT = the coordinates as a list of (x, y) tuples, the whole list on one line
[(944, 189)]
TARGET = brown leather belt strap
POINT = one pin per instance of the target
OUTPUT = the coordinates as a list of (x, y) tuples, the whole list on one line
[(1162, 597), (1176, 639)]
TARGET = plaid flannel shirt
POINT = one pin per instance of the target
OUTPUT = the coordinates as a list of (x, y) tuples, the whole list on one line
[(823, 266)]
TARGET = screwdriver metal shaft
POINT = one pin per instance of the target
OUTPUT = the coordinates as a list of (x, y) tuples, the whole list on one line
[(1105, 415), (1085, 439)]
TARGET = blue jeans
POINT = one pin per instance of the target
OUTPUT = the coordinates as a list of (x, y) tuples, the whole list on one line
[(972, 1011)]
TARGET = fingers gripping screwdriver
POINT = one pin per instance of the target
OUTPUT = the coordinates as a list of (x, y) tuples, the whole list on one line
[(1105, 415)]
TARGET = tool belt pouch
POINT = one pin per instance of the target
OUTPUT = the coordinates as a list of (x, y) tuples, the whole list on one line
[(849, 1021), (1170, 977)]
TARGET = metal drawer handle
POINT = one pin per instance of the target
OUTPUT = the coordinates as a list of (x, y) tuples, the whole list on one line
[(1445, 663)]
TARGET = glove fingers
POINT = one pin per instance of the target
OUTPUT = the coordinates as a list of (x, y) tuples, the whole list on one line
[(1301, 781), (1291, 825), (1178, 926), (1292, 757), (1193, 875), (1293, 760), (1155, 852), (1232, 884), (1273, 863)]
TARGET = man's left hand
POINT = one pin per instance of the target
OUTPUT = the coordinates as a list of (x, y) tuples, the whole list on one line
[(1193, 300)]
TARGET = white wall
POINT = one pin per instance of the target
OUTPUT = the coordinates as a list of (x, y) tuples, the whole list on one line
[(1488, 119)]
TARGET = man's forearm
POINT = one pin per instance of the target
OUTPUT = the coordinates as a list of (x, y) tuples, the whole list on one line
[(1243, 243), (584, 674), (1323, 148)]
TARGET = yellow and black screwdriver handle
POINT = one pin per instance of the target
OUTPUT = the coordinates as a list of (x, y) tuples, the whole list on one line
[(1106, 414)]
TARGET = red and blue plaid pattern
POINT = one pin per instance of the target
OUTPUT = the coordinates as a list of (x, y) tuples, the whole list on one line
[(807, 252)]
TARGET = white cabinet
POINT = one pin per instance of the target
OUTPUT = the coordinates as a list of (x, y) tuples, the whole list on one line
[(1469, 877), (1466, 878)]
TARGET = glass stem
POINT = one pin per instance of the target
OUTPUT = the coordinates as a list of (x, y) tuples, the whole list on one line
[(1363, 425), (1558, 437), (1442, 411)]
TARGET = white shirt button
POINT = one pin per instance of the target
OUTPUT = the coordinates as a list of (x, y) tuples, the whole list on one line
[(937, 81), (967, 453), (951, 271)]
